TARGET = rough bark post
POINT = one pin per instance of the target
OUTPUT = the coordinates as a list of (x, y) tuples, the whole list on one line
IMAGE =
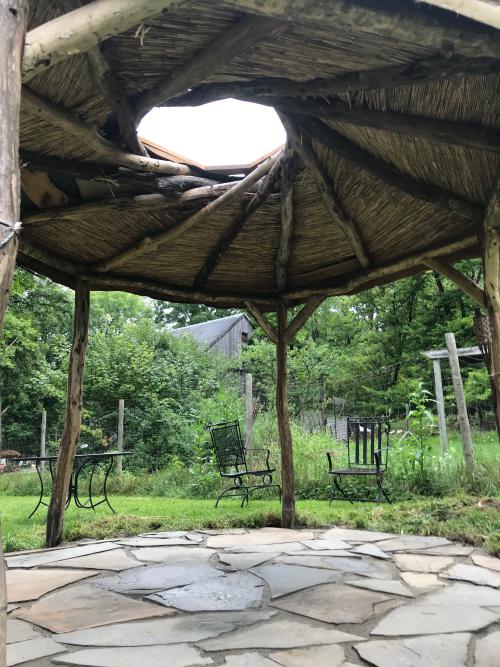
[(438, 383), (74, 404), (119, 442), (463, 419), (43, 435), (249, 415), (285, 433), (12, 22), (494, 370)]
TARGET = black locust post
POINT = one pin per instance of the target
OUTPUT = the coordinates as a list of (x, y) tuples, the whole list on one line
[(74, 404), (12, 22)]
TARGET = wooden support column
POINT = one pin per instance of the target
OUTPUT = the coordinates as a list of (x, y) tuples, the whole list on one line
[(285, 432), (12, 22), (463, 419), (74, 404), (119, 442), (249, 415)]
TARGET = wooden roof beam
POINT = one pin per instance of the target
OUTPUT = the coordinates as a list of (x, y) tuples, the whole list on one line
[(262, 320), (422, 71), (83, 28), (470, 135), (386, 172), (439, 32), (288, 168), (229, 235), (153, 241), (303, 148), (459, 279), (240, 37), (303, 315), (106, 152)]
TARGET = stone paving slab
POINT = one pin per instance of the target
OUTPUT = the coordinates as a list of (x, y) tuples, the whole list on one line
[(327, 545), (172, 554), (115, 560), (25, 585), (180, 655), (438, 651), (31, 650), (331, 655), (246, 561), (473, 573), (412, 543), (173, 630), (20, 631), (351, 535), (282, 548), (417, 563), (377, 570), (248, 660), (85, 606), (487, 652), (259, 537), (392, 586), (52, 556), (486, 561), (370, 549), (144, 580), (285, 579), (155, 542), (422, 582)]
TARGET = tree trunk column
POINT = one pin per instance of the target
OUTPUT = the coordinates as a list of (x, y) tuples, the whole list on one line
[(74, 404), (285, 433), (494, 319)]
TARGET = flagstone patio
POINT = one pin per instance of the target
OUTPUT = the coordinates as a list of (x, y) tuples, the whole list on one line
[(256, 598)]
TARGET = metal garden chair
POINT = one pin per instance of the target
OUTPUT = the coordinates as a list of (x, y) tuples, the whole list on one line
[(367, 457), (233, 462)]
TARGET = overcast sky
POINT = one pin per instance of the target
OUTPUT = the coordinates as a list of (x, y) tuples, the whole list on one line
[(225, 132)]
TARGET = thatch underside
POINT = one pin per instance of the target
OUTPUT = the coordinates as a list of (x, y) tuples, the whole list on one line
[(393, 224)]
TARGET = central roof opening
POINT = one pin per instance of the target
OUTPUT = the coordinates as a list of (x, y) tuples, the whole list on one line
[(227, 132)]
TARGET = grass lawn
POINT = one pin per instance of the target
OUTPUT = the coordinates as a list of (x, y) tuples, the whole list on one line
[(456, 518)]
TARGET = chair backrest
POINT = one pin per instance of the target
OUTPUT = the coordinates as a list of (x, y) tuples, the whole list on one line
[(365, 437), (228, 445)]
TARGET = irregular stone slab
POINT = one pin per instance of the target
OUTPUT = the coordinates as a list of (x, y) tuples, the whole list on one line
[(20, 631), (172, 554), (464, 595), (352, 565), (437, 651), (24, 585), (174, 630), (352, 535), (115, 560), (33, 649), (248, 660), (85, 606), (487, 650), (327, 545), (180, 655), (284, 579), (278, 633), (233, 592), (417, 563), (392, 586), (173, 534), (486, 561), (246, 561), (285, 548), (433, 619), (422, 582), (338, 553), (144, 580), (54, 555), (447, 550), (331, 655), (333, 603), (11, 607), (474, 574), (412, 542), (371, 550), (258, 537), (154, 542), (222, 531)]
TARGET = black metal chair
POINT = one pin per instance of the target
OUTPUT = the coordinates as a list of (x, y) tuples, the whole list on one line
[(233, 463), (367, 457)]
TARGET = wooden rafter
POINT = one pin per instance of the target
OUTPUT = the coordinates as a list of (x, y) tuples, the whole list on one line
[(240, 37), (106, 152), (83, 28), (386, 172), (152, 241), (459, 279), (230, 234), (303, 315), (288, 168), (303, 148), (422, 71), (262, 320), (435, 130), (107, 81), (442, 34)]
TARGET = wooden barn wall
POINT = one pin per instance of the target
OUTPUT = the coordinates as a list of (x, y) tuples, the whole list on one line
[(231, 343)]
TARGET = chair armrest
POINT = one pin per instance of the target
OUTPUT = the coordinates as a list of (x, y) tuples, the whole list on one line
[(260, 449), (377, 456)]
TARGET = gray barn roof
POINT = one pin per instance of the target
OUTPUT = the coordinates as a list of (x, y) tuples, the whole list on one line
[(210, 332)]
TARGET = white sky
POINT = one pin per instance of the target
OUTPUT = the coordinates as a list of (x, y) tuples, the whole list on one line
[(225, 132)]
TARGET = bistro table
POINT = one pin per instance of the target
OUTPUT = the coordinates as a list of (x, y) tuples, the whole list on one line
[(84, 463)]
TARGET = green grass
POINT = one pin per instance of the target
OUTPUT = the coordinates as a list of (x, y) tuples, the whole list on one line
[(456, 518)]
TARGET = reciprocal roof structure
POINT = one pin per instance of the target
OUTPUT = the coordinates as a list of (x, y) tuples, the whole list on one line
[(392, 112)]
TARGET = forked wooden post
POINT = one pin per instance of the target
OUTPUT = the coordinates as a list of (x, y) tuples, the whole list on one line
[(74, 404), (285, 433), (12, 22)]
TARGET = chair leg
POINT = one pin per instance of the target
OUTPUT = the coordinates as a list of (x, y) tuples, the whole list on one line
[(339, 488), (380, 488), (229, 492)]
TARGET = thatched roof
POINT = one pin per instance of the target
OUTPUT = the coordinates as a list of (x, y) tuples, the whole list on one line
[(394, 117)]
